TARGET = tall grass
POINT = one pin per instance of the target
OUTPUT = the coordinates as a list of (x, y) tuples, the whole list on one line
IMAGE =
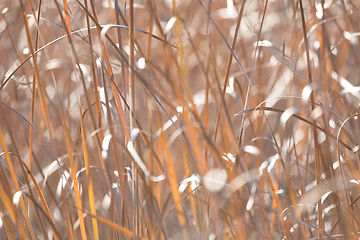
[(179, 119)]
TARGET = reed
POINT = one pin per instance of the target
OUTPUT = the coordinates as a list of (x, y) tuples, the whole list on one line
[(179, 119)]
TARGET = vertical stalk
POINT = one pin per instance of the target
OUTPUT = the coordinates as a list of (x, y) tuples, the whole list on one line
[(312, 100), (132, 104)]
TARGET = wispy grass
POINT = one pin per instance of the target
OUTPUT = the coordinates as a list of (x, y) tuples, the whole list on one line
[(179, 119)]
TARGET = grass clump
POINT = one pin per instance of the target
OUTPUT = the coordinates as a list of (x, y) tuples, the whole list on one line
[(179, 119)]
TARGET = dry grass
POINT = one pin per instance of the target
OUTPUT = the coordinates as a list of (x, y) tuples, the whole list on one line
[(179, 119)]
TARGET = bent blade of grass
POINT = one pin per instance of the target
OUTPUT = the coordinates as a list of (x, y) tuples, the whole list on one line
[(42, 198), (342, 171), (297, 117), (130, 147), (17, 188), (8, 77), (43, 138)]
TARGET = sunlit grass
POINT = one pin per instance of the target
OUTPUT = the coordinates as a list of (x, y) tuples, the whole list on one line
[(179, 119)]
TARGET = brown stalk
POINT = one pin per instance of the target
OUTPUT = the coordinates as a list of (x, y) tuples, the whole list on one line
[(312, 99)]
